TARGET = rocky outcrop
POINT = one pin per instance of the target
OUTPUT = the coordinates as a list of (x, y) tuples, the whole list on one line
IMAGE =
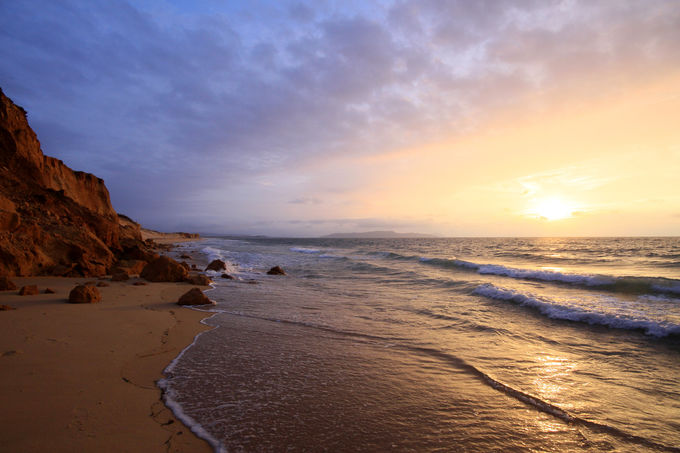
[(53, 220), (6, 284), (276, 270), (84, 294), (164, 269), (216, 265), (194, 297)]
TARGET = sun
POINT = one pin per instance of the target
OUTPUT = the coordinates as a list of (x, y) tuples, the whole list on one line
[(552, 208)]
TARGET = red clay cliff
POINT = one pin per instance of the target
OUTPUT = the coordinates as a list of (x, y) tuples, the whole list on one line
[(53, 220)]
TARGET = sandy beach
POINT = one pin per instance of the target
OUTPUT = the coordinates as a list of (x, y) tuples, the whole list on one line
[(82, 377)]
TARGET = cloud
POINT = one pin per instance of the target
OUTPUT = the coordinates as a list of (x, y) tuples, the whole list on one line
[(181, 100)]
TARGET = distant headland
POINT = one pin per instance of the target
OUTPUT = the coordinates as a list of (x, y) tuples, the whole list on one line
[(377, 235)]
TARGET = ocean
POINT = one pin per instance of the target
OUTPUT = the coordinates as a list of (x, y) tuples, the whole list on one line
[(424, 345)]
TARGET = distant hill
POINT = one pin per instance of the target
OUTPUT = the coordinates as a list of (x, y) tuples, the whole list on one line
[(377, 235)]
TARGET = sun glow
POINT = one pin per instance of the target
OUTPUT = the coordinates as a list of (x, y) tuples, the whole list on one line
[(553, 208)]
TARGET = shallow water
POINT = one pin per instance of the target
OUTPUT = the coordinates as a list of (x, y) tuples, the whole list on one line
[(439, 345)]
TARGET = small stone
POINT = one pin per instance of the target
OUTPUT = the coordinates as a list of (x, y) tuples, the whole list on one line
[(6, 308), (29, 290), (216, 265), (276, 270), (139, 284), (49, 291), (102, 284), (228, 277)]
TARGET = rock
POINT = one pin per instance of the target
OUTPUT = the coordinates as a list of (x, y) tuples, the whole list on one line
[(184, 264), (184, 256), (6, 284), (252, 282), (120, 276), (139, 284), (6, 308), (130, 267), (164, 269), (276, 270), (83, 294), (228, 277), (102, 284), (216, 265), (49, 291), (29, 290), (194, 297), (199, 279), (193, 267)]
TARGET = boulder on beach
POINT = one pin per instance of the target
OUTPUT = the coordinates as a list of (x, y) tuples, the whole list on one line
[(28, 290), (199, 279), (130, 267), (120, 276), (216, 265), (228, 277), (276, 270), (49, 291), (84, 294), (185, 265), (164, 269), (6, 284), (194, 297)]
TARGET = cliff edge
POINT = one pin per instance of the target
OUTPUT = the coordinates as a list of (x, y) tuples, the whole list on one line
[(53, 220)]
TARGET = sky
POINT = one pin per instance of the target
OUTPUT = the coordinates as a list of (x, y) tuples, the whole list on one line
[(303, 118)]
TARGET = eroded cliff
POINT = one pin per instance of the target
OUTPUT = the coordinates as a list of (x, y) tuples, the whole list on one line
[(53, 220)]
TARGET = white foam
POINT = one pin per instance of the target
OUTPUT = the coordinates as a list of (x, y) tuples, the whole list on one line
[(579, 313), (304, 250)]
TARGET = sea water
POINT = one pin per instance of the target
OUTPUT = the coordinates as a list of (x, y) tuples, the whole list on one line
[(463, 344)]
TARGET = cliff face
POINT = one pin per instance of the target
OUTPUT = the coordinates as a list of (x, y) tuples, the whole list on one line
[(53, 220)]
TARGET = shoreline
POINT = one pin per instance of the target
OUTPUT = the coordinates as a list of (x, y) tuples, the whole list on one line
[(84, 377)]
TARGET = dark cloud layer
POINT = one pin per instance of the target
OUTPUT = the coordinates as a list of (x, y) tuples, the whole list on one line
[(172, 104)]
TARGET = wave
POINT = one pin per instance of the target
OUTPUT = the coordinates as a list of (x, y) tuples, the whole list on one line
[(555, 310), (475, 372), (628, 284), (304, 250)]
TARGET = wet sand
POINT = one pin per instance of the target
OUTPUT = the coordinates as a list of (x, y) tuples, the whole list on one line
[(82, 377)]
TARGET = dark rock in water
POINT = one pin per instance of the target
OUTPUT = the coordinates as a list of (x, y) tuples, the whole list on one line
[(185, 265), (199, 280), (164, 269), (194, 297), (120, 277), (6, 308), (184, 256), (29, 290), (6, 284), (193, 267), (228, 277), (216, 265), (276, 270), (49, 291), (84, 294)]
